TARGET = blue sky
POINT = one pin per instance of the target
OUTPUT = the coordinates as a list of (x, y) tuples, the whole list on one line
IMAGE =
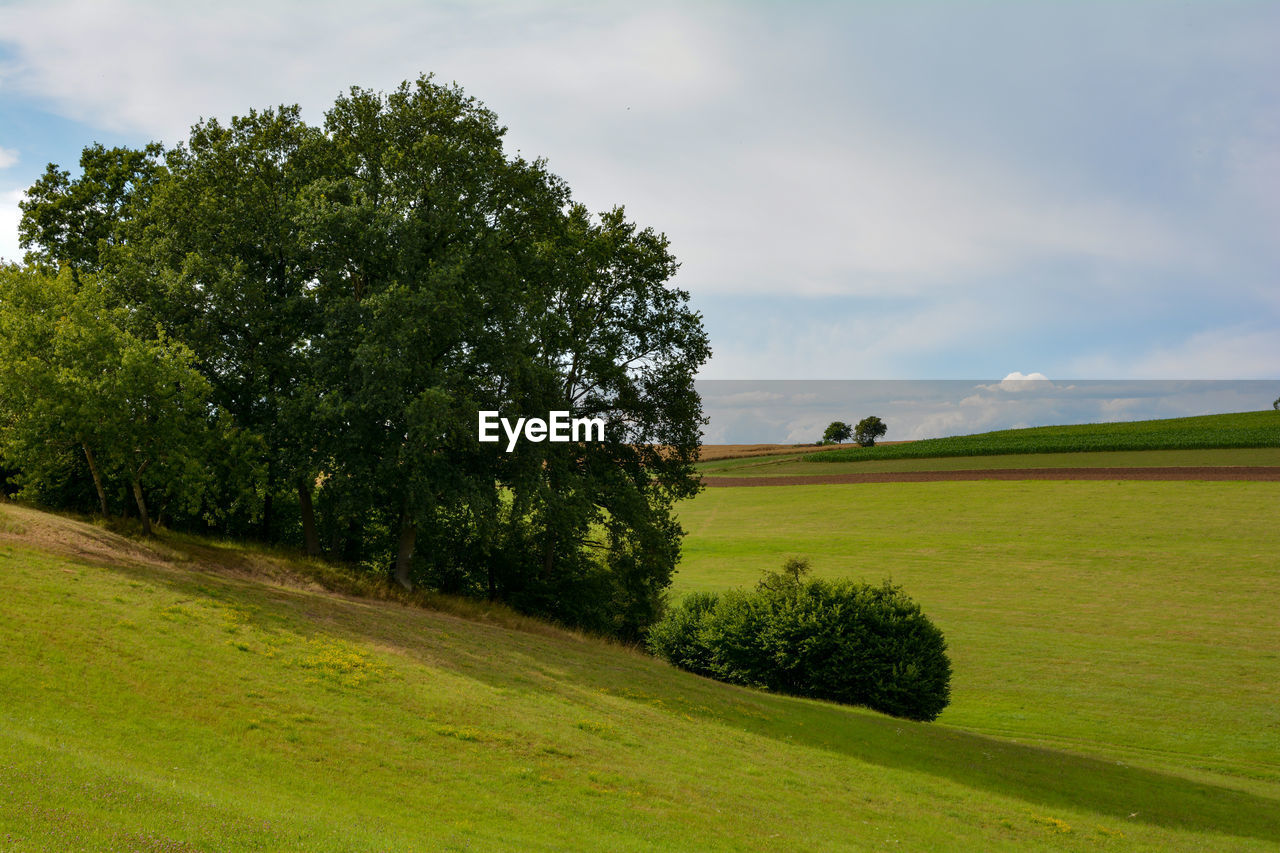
[(855, 190)]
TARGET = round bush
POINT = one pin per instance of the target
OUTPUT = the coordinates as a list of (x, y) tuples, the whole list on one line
[(841, 641)]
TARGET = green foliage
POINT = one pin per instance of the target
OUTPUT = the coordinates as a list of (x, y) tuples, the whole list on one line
[(842, 641), (74, 383), (74, 222), (353, 295), (1244, 429), (868, 430), (838, 432), (678, 636)]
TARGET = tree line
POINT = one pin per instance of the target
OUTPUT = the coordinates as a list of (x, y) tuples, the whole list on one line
[(285, 331)]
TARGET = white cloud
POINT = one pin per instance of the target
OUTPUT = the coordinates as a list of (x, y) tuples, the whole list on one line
[(8, 157), (9, 216), (1244, 351), (662, 109), (127, 66), (749, 398), (867, 345), (1018, 381)]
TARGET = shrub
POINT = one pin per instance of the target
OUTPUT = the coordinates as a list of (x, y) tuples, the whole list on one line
[(842, 641), (677, 637)]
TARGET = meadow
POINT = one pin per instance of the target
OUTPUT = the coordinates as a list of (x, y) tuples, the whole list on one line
[(1128, 620), (189, 695)]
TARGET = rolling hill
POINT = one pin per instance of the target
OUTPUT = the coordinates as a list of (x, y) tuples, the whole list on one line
[(184, 695)]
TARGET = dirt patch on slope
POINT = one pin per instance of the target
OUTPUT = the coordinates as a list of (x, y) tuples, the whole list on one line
[(1217, 473), (89, 543), (70, 538)]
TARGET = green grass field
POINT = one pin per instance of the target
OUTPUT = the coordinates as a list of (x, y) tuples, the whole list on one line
[(179, 698), (1243, 429), (1129, 620)]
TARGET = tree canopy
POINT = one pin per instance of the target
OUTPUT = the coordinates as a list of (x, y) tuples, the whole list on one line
[(837, 431), (868, 430), (349, 296)]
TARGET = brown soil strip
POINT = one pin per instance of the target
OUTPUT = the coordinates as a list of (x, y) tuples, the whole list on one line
[(1221, 472), (716, 452)]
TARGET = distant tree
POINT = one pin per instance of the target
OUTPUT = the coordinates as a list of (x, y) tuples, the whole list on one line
[(838, 431), (868, 430), (1276, 404)]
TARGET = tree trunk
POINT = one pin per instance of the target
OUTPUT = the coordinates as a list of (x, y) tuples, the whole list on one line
[(142, 507), (408, 534), (265, 530), (309, 537), (97, 479), (267, 501), (548, 555)]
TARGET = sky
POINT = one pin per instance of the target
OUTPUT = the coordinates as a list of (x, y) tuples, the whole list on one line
[(797, 411), (855, 190)]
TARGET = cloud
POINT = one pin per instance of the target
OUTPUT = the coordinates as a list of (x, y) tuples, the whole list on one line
[(124, 66), (674, 111), (9, 217), (1018, 381), (1237, 351), (949, 193), (893, 212), (8, 157)]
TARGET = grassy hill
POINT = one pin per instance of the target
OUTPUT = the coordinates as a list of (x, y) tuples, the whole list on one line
[(183, 695), (1244, 429), (1130, 620)]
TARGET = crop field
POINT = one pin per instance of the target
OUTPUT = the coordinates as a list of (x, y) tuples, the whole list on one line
[(1243, 429), (713, 452), (184, 695), (1128, 620)]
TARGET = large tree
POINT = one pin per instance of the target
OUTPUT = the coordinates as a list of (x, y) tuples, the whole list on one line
[(426, 233), (217, 257), (610, 338), (356, 294), (457, 278)]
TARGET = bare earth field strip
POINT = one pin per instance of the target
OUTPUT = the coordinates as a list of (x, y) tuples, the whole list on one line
[(1217, 472)]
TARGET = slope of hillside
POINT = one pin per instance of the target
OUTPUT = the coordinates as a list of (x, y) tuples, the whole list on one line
[(187, 696), (1241, 429)]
